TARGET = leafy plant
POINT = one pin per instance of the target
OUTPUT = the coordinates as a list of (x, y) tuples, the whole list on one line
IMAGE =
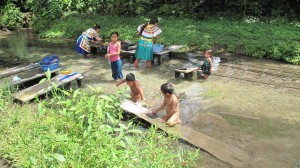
[(11, 17), (78, 129)]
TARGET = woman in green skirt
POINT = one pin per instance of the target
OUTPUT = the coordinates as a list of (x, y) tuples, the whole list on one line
[(144, 50)]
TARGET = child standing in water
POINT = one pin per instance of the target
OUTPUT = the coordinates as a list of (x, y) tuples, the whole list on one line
[(171, 103), (136, 90), (114, 50), (207, 64)]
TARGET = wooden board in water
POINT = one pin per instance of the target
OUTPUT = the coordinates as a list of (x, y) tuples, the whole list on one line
[(17, 69), (186, 70), (39, 89), (31, 74), (219, 149), (166, 50)]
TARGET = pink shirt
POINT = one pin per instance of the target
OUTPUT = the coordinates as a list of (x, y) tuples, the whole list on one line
[(113, 48)]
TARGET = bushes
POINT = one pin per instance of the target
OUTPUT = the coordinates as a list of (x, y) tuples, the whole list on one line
[(11, 17), (78, 129), (276, 40)]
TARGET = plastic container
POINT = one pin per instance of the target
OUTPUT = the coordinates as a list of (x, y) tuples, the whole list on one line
[(157, 48), (51, 66), (65, 72)]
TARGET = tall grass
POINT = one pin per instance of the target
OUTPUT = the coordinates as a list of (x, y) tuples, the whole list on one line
[(276, 40), (78, 129)]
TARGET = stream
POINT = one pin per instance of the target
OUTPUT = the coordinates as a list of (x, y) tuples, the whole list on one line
[(267, 89)]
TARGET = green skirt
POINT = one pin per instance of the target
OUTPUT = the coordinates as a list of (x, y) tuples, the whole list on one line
[(144, 50)]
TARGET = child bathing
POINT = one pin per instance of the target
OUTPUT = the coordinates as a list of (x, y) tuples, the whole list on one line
[(171, 103), (136, 90), (114, 50), (207, 64)]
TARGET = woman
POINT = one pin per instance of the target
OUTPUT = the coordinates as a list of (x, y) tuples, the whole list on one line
[(83, 42), (144, 51)]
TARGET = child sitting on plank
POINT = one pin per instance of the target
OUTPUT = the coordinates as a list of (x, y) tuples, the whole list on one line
[(171, 103)]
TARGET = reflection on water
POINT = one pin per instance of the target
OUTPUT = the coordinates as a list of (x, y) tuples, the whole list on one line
[(23, 46)]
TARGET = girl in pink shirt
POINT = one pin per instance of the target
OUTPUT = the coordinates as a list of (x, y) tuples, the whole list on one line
[(114, 50)]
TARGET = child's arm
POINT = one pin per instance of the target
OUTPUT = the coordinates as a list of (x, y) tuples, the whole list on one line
[(116, 53), (142, 95), (122, 81), (160, 107), (140, 91)]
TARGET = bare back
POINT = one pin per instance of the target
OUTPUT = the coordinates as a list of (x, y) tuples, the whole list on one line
[(172, 106)]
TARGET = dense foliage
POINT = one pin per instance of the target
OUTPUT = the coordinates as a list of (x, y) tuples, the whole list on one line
[(277, 40), (77, 129), (257, 32), (45, 10), (11, 17)]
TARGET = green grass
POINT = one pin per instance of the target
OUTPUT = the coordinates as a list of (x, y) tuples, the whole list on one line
[(78, 129), (276, 40)]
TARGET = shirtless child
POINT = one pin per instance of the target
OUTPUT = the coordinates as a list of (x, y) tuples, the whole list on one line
[(136, 90), (171, 103)]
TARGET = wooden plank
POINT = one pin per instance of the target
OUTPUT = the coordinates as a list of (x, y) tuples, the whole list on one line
[(39, 89), (174, 47), (241, 116), (31, 74), (186, 70), (17, 69), (169, 49), (166, 50), (128, 52), (219, 149)]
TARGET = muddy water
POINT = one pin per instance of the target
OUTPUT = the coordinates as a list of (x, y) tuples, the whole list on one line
[(240, 85)]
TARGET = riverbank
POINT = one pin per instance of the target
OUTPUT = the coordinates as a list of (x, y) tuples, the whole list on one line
[(274, 39)]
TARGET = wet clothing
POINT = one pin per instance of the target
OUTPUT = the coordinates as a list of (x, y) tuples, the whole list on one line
[(116, 63), (82, 45), (206, 67), (144, 50), (116, 69)]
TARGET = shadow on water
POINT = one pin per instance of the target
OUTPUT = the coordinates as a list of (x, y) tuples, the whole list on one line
[(238, 84)]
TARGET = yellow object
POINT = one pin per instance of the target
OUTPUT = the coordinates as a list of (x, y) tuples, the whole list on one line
[(65, 72)]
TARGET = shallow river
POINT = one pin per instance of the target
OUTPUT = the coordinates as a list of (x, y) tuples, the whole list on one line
[(266, 89)]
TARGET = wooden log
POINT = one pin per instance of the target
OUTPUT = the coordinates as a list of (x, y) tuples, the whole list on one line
[(68, 86), (217, 148), (79, 82), (241, 116), (159, 59), (177, 74), (17, 69), (42, 88)]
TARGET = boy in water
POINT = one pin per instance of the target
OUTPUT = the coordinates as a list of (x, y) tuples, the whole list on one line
[(136, 90), (171, 103), (207, 64)]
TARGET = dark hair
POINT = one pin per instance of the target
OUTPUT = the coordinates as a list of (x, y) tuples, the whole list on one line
[(96, 26), (116, 33), (130, 77), (153, 20), (209, 51), (167, 88)]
